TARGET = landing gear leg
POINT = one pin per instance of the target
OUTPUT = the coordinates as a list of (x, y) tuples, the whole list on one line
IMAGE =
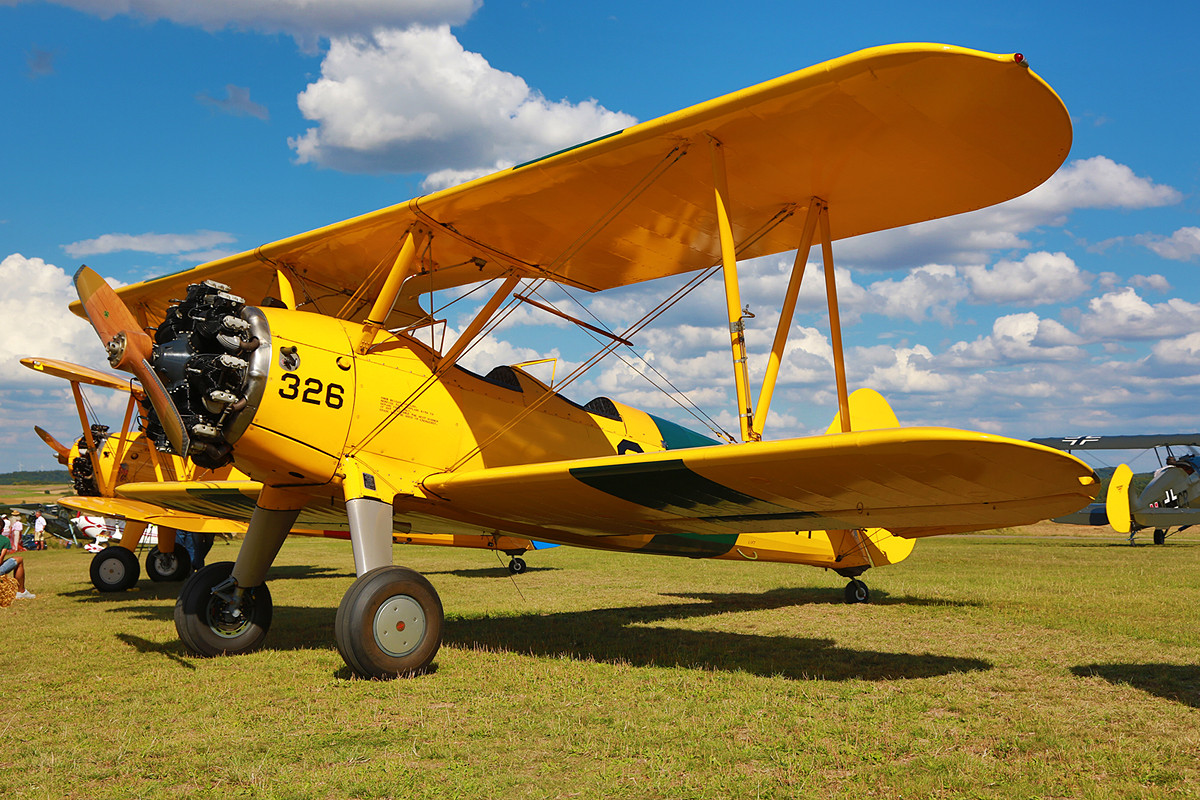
[(389, 622), (857, 592), (226, 607)]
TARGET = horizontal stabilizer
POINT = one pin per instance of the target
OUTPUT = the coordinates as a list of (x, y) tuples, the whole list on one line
[(1095, 514)]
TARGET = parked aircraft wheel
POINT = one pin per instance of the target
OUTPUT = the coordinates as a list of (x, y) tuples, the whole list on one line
[(210, 625), (114, 569), (1160, 536), (517, 565), (173, 566), (389, 623), (857, 592)]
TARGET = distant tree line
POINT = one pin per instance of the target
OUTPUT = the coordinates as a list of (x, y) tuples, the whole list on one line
[(35, 477)]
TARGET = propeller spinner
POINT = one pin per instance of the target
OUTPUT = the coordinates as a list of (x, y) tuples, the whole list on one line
[(129, 349)]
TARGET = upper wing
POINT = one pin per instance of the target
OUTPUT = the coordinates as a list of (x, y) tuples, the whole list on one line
[(886, 137), (911, 481), (1134, 442)]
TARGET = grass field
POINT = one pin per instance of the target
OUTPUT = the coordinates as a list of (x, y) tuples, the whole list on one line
[(1023, 666), (33, 493)]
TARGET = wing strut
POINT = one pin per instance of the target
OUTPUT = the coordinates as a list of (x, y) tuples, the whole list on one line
[(402, 268), (753, 420), (733, 295), (786, 314), (476, 325), (835, 322)]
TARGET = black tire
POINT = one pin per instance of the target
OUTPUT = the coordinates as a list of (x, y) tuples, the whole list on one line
[(114, 569), (389, 623), (173, 566), (1160, 536), (857, 592), (517, 565), (205, 622)]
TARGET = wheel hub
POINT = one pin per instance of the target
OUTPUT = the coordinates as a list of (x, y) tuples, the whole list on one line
[(226, 620), (113, 570), (399, 625)]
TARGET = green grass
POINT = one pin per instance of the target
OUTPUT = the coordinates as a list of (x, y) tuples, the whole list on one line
[(988, 667)]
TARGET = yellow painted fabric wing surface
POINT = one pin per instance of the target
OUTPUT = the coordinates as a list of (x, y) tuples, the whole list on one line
[(151, 514), (887, 136), (911, 481)]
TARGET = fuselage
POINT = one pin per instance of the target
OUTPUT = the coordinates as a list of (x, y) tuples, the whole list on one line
[(311, 410)]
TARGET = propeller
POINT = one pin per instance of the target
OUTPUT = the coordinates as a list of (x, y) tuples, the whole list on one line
[(129, 349), (61, 450)]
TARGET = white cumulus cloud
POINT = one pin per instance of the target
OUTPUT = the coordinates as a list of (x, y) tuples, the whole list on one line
[(415, 101), (1182, 245), (33, 304), (1096, 182), (305, 20), (1125, 315), (1036, 279), (159, 243)]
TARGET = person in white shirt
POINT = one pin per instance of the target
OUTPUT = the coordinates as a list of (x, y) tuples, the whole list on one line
[(15, 526), (39, 532)]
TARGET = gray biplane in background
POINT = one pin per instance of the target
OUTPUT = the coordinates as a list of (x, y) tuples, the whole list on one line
[(1170, 500)]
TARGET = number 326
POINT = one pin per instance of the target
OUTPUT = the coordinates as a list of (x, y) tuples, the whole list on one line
[(314, 392)]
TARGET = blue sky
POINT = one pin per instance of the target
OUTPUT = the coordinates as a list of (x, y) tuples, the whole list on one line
[(144, 136)]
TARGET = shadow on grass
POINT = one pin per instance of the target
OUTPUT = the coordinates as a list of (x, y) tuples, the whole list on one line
[(625, 636), (1177, 682), (147, 589), (172, 650), (498, 571)]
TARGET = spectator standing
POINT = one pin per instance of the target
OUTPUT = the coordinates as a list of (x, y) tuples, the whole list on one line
[(14, 531), (39, 532)]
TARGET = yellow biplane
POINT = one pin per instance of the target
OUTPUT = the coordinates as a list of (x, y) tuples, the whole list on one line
[(323, 388), (101, 462)]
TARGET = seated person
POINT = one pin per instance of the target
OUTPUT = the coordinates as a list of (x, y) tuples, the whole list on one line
[(15, 564)]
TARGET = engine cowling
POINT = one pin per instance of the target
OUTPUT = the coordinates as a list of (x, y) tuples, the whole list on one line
[(212, 353)]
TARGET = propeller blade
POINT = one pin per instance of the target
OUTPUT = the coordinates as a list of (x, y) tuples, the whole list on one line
[(61, 450), (129, 349), (168, 414), (105, 310)]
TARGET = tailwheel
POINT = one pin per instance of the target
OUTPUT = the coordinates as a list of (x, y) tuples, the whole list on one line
[(517, 565), (389, 623), (114, 569), (1160, 535), (214, 616), (857, 592), (173, 566)]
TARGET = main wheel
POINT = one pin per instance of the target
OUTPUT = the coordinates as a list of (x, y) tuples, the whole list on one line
[(114, 569), (209, 626), (1160, 536), (857, 592), (173, 566), (517, 565), (389, 623)]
